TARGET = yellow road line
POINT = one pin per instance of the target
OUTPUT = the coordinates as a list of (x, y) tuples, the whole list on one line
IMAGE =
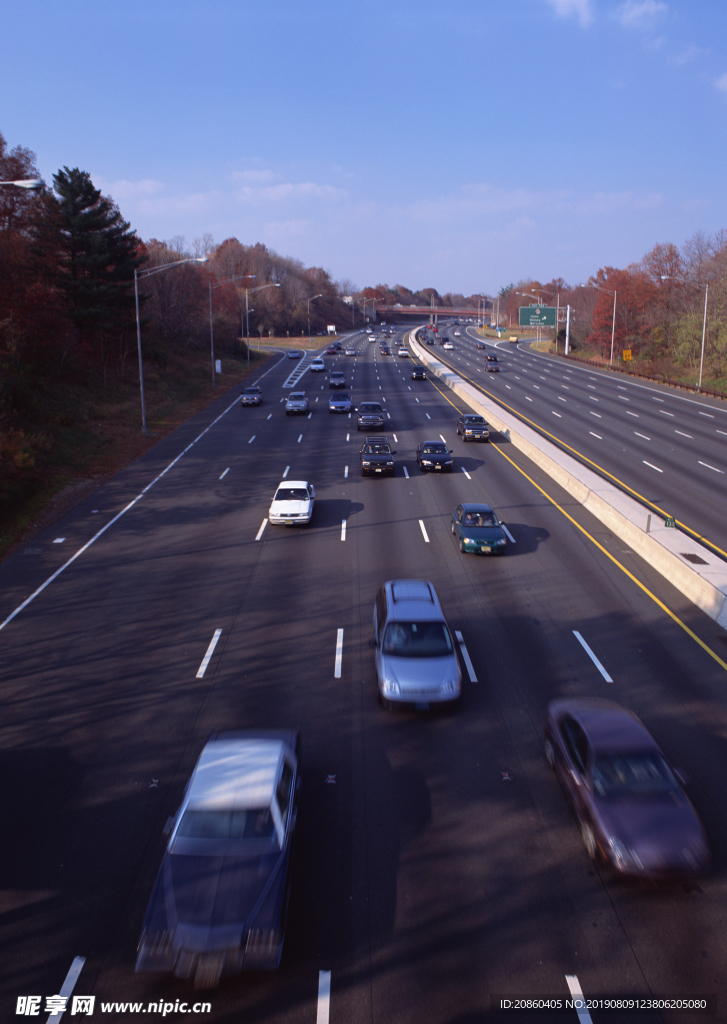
[(615, 561)]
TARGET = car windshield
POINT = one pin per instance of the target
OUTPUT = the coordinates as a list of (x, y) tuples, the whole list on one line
[(479, 519), (434, 449), (297, 396), (376, 449), (341, 398), (640, 774), (474, 421), (256, 823), (337, 374), (417, 640), (291, 494), (252, 391), (370, 407)]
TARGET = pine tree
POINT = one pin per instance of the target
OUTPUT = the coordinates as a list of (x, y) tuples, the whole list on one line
[(99, 253)]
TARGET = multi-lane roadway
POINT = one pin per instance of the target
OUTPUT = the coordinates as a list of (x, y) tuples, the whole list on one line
[(436, 862), (667, 446)]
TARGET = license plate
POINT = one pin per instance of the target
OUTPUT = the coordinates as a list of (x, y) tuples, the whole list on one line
[(377, 471), (485, 549), (288, 522)]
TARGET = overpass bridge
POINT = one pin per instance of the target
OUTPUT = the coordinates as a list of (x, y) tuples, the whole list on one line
[(425, 312)]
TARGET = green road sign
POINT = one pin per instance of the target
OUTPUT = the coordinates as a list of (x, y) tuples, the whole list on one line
[(537, 316)]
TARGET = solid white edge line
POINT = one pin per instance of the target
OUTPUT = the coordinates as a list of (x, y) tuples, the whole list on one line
[(225, 473), (324, 997), (574, 987), (210, 651), (339, 654), (466, 657), (343, 529), (424, 531), (260, 531), (508, 534), (111, 522), (465, 472), (68, 985), (592, 656)]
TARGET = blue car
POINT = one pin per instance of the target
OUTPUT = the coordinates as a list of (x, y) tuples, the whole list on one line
[(219, 902), (340, 403)]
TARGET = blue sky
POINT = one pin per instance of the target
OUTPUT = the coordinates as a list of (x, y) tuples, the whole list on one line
[(459, 146)]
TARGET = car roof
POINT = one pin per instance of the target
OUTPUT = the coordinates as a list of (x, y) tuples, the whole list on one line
[(609, 727), (296, 394), (234, 774), (293, 483), (439, 441), (413, 599), (474, 506)]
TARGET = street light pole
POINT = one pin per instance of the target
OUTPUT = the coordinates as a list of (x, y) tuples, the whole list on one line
[(148, 273), (259, 288), (688, 280), (229, 280), (311, 299)]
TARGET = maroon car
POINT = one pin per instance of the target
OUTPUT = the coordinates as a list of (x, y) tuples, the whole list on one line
[(633, 814)]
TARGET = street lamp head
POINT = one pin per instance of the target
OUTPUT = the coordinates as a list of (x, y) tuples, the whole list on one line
[(30, 183), (201, 259)]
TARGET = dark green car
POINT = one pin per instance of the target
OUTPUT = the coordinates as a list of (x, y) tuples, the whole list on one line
[(478, 530)]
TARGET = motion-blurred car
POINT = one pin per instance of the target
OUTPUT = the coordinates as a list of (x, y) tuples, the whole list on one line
[(331, 350), (370, 415), (492, 364), (448, 345), (434, 455), (293, 503), (340, 403), (481, 344), (252, 396), (297, 403), (317, 365), (220, 899), (377, 457), (416, 660), (336, 379), (418, 373), (478, 530), (351, 352), (294, 354), (473, 427), (403, 352), (633, 814)]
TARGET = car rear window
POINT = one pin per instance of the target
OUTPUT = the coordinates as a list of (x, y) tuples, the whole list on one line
[(417, 640), (641, 774), (256, 823)]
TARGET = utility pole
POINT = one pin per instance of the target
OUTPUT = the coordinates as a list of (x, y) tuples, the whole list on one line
[(567, 330)]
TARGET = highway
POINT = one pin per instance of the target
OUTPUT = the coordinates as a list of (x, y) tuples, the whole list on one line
[(436, 861), (668, 447)]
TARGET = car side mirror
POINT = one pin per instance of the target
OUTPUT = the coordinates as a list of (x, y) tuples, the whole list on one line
[(373, 642), (450, 450)]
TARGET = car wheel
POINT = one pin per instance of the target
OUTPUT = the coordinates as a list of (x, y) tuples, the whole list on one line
[(452, 527), (550, 754), (462, 547), (589, 840)]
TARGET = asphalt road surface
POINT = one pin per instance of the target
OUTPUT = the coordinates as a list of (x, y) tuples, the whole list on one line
[(436, 861)]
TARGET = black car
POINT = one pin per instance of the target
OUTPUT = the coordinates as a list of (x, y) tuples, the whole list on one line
[(492, 364), (336, 379), (385, 350), (481, 344), (370, 414), (434, 455), (418, 373), (473, 428), (376, 457), (219, 902)]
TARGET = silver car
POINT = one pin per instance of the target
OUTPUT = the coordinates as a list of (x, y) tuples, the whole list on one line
[(416, 659), (297, 403)]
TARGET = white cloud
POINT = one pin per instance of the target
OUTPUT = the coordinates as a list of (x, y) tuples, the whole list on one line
[(125, 190), (287, 191), (721, 83), (640, 13), (256, 177), (581, 9), (687, 55)]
